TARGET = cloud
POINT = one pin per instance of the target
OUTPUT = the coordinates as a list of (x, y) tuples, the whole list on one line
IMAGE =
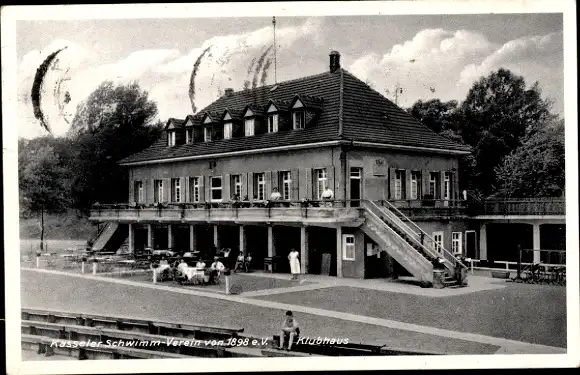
[(438, 63)]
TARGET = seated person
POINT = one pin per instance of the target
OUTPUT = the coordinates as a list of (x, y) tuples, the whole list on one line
[(290, 330), (327, 196), (247, 261), (216, 269), (200, 265), (182, 266), (240, 261), (275, 196)]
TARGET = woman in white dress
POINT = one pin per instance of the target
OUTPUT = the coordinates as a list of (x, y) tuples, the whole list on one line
[(294, 264)]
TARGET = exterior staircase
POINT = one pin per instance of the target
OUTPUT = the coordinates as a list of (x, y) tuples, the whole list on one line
[(408, 244), (111, 238)]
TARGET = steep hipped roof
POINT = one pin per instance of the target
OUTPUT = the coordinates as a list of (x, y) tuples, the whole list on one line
[(363, 114)]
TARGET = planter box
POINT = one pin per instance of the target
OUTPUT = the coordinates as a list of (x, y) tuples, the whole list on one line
[(500, 274)]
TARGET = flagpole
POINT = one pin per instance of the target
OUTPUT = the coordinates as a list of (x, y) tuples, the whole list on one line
[(275, 62)]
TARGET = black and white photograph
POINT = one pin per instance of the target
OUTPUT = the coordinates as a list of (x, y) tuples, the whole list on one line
[(277, 186)]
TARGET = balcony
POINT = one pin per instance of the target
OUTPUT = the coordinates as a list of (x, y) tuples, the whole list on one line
[(431, 209), (319, 213), (520, 207)]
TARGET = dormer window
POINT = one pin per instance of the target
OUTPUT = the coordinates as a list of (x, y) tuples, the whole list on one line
[(227, 130), (171, 138), (249, 127), (207, 134), (273, 123), (188, 136), (299, 120)]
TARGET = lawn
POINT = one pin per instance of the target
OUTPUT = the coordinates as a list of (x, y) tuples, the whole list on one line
[(530, 313)]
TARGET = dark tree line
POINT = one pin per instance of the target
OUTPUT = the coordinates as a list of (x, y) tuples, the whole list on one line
[(517, 143), (76, 171)]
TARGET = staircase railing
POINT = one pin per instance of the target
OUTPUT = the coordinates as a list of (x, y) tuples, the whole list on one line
[(390, 206), (414, 236)]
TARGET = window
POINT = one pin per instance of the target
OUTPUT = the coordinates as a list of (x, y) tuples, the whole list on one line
[(189, 136), (272, 123), (286, 183), (259, 186), (216, 188), (236, 185), (438, 242), (457, 242), (138, 192), (321, 182), (299, 120), (447, 186), (399, 184), (194, 189), (171, 138), (227, 130), (175, 190), (206, 134), (249, 127), (158, 191), (348, 250), (415, 185), (433, 184)]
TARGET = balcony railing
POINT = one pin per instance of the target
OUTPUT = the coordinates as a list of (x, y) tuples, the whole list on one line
[(531, 206), (430, 208), (238, 211)]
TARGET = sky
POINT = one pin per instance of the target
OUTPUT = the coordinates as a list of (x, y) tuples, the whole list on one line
[(428, 56)]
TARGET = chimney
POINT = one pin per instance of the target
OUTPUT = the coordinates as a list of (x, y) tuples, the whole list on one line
[(229, 92), (334, 61)]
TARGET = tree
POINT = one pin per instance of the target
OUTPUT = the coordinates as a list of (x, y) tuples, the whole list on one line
[(42, 183), (437, 115), (496, 114), (536, 168), (113, 123)]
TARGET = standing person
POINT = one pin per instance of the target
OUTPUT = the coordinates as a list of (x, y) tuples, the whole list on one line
[(240, 261), (294, 263), (289, 329)]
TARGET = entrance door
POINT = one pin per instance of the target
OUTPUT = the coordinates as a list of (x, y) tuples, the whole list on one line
[(471, 245), (438, 239), (355, 186)]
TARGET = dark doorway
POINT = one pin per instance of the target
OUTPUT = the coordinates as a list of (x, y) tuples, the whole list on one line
[(180, 238), (257, 244), (471, 245), (503, 241), (229, 237), (203, 238), (140, 239), (321, 241), (160, 238), (355, 186)]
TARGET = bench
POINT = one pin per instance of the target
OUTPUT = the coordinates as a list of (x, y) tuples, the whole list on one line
[(286, 353)]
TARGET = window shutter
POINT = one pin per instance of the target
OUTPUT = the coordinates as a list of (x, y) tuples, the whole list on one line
[(308, 180), (276, 180), (294, 185), (425, 178), (408, 184), (131, 191), (151, 189), (182, 189), (202, 183), (250, 179), (226, 195), (186, 190), (455, 184), (207, 188), (166, 190), (244, 186), (392, 175), (330, 178), (441, 185), (268, 184)]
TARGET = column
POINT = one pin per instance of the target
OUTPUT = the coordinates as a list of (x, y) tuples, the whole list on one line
[(169, 236), (216, 238), (192, 238), (339, 252), (482, 242), (303, 250), (242, 239), (271, 244), (149, 236), (536, 239), (131, 239)]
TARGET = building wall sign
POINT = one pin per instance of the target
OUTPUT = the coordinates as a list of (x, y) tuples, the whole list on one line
[(380, 167)]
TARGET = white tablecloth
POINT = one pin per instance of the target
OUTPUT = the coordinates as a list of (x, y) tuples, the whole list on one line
[(192, 272)]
